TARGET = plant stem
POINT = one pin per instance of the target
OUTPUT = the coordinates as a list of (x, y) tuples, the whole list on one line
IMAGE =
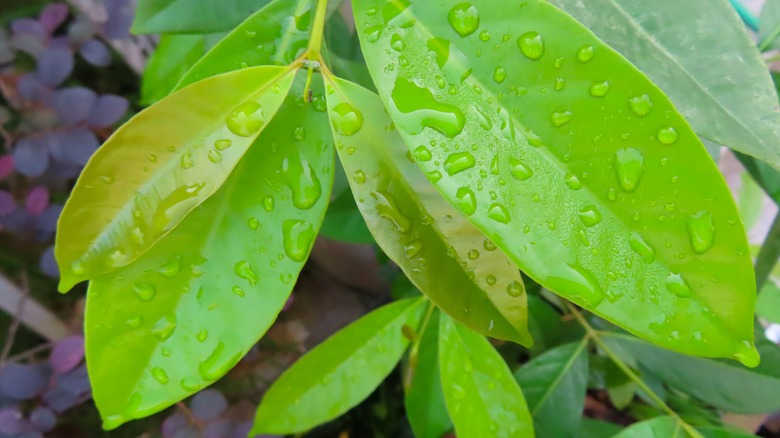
[(415, 350), (595, 335), (770, 252), (318, 30)]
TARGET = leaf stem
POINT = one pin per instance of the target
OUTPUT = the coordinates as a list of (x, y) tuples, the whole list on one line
[(318, 30), (595, 335), (414, 352)]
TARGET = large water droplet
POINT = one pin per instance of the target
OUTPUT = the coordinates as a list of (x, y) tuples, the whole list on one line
[(579, 284), (464, 18), (641, 247), (298, 238), (515, 289), (532, 45), (677, 285), (346, 119), (244, 270), (387, 207), (519, 170), (160, 375), (215, 366), (499, 75), (423, 154), (572, 181), (302, 180), (701, 230), (454, 64), (172, 267), (246, 120), (145, 291), (560, 118), (629, 167), (499, 213), (420, 110), (164, 328), (641, 105), (467, 200), (590, 216), (223, 144), (585, 54), (397, 43), (668, 135), (599, 89), (458, 162)]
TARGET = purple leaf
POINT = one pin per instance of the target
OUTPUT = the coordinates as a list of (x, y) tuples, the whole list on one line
[(53, 16), (60, 400), (74, 104), (120, 18), (67, 354), (43, 419), (208, 404), (46, 222), (75, 145), (7, 203), (173, 424), (23, 382), (55, 65), (108, 110), (31, 156), (96, 53), (37, 200), (32, 88), (29, 43), (28, 26), (218, 429), (6, 166), (11, 422), (48, 263), (81, 30), (75, 381)]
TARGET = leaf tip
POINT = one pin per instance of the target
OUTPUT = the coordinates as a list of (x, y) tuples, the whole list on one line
[(747, 354)]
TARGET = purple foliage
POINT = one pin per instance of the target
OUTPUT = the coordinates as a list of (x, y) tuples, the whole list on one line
[(23, 382), (208, 405), (53, 16), (55, 65), (7, 203), (37, 200), (67, 354), (107, 111), (96, 53)]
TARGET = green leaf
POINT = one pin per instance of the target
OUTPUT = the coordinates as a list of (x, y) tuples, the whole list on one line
[(187, 16), (445, 256), (275, 35), (769, 29), (424, 401), (159, 166), (768, 304), (659, 427), (725, 385), (344, 223), (675, 46), (184, 313), (479, 388), (717, 432), (598, 189), (339, 373), (590, 428), (172, 58), (751, 201), (554, 385)]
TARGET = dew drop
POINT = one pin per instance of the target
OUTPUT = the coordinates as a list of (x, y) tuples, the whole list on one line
[(572, 181), (641, 105), (489, 245), (560, 84), (223, 144), (423, 154), (667, 136), (499, 213), (253, 223), (580, 283), (590, 216), (464, 18), (519, 170), (585, 54), (237, 290), (360, 177), (165, 327), (701, 230), (298, 238), (215, 156), (467, 200), (413, 249), (515, 289), (599, 89), (677, 285), (629, 167), (532, 45), (560, 118), (346, 119), (160, 375), (491, 280), (246, 120), (244, 270), (302, 180), (145, 291), (458, 162), (419, 110), (642, 248), (202, 335), (387, 207), (268, 204), (186, 161), (499, 75), (473, 254)]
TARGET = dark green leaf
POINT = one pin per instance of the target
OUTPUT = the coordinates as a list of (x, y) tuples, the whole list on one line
[(188, 16), (660, 427), (571, 161), (482, 395), (716, 432), (769, 30), (445, 256), (339, 373), (159, 166), (344, 223), (768, 305), (590, 428), (185, 312), (554, 385)]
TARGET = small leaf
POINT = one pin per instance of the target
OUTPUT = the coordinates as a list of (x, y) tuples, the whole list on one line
[(445, 256), (554, 385), (185, 312), (173, 57), (185, 16), (275, 35), (339, 373), (725, 385), (480, 391), (659, 427), (670, 44), (424, 401), (582, 171), (159, 166)]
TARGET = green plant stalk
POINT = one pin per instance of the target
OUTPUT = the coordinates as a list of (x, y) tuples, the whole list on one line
[(414, 351), (318, 30), (594, 334)]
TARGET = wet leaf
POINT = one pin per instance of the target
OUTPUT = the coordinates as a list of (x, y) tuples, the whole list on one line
[(159, 166), (275, 35), (554, 386), (479, 388), (185, 16), (184, 313), (339, 373), (659, 427), (445, 256), (582, 171), (424, 401), (677, 46)]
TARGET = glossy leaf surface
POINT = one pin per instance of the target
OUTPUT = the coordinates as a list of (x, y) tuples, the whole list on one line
[(659, 427), (184, 313), (159, 166), (676, 44), (482, 396), (581, 169), (340, 372), (725, 385), (424, 401), (445, 256), (554, 386), (186, 16), (275, 35)]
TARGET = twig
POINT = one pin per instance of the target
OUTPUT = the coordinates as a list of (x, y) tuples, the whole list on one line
[(11, 335), (190, 416), (31, 352)]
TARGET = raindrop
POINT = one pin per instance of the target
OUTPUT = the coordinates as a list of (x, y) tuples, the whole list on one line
[(423, 154), (515, 289), (160, 375), (253, 223), (298, 238), (473, 254), (165, 327), (590, 216), (499, 213), (246, 120), (677, 285), (186, 160), (244, 270), (641, 105), (599, 89), (300, 177), (572, 181), (629, 167), (580, 284), (387, 207), (145, 291), (360, 177), (346, 119), (491, 280), (519, 171), (668, 135), (397, 43), (268, 204), (172, 267), (489, 245), (238, 291), (585, 54), (223, 144), (499, 75), (413, 249), (202, 335), (701, 230), (532, 45), (641, 247), (459, 162), (215, 156), (560, 84), (467, 200), (464, 18), (560, 118)]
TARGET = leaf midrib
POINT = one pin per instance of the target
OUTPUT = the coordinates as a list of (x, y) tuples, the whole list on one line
[(566, 368)]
